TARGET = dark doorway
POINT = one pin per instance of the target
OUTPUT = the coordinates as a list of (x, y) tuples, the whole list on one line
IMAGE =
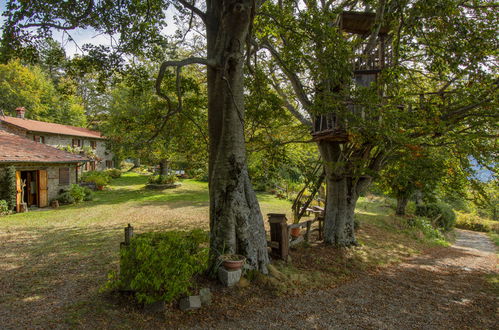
[(30, 178)]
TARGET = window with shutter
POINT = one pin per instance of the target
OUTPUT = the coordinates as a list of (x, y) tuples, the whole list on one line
[(64, 178)]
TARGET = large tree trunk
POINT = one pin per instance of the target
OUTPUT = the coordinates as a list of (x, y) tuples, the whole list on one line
[(343, 190), (340, 211), (401, 204), (236, 222), (163, 167)]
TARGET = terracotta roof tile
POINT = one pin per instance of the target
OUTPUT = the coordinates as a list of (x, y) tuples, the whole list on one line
[(16, 149), (41, 126)]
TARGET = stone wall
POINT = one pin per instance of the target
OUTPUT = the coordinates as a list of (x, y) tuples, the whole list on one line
[(52, 175), (55, 141), (65, 140)]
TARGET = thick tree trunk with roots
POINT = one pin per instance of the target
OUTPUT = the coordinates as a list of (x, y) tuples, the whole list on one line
[(236, 221), (343, 191), (402, 201)]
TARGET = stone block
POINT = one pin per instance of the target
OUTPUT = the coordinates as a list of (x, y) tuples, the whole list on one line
[(205, 295), (190, 303), (229, 277)]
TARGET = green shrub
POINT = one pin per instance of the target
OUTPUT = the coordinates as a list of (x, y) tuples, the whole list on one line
[(114, 173), (77, 192), (440, 214), (97, 177), (89, 194), (4, 207), (162, 179), (426, 228), (160, 266), (474, 222), (8, 188), (65, 197)]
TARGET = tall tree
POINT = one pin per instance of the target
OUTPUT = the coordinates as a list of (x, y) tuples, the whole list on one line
[(135, 108), (32, 88), (236, 221), (434, 48)]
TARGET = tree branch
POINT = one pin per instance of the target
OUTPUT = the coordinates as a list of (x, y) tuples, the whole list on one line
[(162, 70), (194, 9), (292, 76), (289, 106), (75, 20)]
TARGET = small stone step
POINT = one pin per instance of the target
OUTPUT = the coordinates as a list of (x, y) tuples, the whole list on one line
[(190, 303)]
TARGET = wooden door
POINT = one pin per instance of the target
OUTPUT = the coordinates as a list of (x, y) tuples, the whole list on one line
[(42, 189), (18, 191)]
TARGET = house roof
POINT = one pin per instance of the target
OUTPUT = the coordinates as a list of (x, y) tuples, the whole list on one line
[(16, 149), (43, 127)]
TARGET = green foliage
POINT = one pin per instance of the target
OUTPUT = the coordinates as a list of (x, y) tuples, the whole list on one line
[(160, 266), (136, 112), (65, 197), (114, 173), (474, 222), (77, 192), (8, 188), (162, 179), (89, 194), (4, 208), (98, 177), (31, 88), (425, 226), (440, 214), (86, 150)]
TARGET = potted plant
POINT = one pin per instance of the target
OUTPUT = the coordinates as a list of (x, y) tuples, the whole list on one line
[(232, 261), (295, 232)]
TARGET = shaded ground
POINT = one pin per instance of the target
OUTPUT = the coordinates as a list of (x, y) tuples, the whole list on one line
[(443, 289)]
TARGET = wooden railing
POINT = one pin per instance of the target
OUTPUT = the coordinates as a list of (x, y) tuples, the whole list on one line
[(377, 59)]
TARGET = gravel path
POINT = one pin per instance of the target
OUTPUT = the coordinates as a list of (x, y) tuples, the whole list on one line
[(443, 289)]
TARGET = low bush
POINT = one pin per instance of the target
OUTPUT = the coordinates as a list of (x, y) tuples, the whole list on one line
[(89, 194), (77, 192), (162, 179), (4, 207), (74, 195), (425, 226), (440, 214), (97, 177), (114, 173), (65, 197), (160, 266), (474, 222)]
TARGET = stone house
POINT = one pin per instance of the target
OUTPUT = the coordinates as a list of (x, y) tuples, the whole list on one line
[(42, 171), (57, 135)]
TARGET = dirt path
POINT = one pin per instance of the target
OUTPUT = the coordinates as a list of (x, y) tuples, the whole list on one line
[(443, 289)]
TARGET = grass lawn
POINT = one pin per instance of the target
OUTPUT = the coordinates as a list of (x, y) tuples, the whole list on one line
[(52, 263)]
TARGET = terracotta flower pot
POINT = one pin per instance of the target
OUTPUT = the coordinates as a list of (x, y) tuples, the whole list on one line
[(232, 261), (295, 232)]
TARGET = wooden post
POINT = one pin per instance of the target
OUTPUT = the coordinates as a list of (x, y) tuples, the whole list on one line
[(307, 233), (128, 234), (279, 237)]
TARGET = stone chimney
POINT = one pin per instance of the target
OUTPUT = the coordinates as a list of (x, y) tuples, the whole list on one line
[(20, 112)]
